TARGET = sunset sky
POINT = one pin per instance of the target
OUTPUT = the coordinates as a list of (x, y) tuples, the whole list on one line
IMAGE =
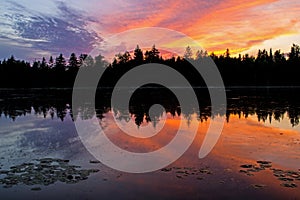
[(30, 29)]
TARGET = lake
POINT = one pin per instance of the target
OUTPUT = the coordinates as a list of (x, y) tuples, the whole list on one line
[(257, 155)]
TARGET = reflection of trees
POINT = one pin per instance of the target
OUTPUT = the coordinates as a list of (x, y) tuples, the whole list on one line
[(267, 104), (16, 103), (142, 100)]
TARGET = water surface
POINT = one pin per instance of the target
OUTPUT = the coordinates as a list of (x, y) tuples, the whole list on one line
[(262, 125)]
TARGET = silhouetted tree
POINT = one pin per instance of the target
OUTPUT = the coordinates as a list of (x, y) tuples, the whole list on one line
[(201, 54), (36, 65), (138, 55), (51, 62), (213, 56), (123, 58), (188, 54), (88, 61), (279, 57), (60, 63), (227, 54), (271, 59), (295, 53), (100, 61), (11, 61), (262, 56), (152, 55), (73, 61), (82, 58), (43, 64)]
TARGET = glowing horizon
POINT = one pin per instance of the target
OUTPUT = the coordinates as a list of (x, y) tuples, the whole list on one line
[(48, 28)]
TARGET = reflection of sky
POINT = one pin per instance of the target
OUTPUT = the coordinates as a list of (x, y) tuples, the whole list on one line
[(247, 140), (238, 139), (41, 28), (32, 133), (35, 136), (243, 141), (284, 123), (146, 137)]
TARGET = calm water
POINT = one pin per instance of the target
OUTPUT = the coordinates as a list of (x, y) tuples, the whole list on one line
[(261, 125)]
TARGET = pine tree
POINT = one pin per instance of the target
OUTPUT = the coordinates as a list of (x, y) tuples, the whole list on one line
[(60, 63), (73, 61), (44, 63), (152, 55), (138, 55), (51, 62), (295, 53), (188, 54)]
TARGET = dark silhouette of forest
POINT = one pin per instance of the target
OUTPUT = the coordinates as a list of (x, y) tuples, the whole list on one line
[(267, 68)]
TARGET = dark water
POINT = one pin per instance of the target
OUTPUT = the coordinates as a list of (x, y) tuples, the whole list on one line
[(262, 124)]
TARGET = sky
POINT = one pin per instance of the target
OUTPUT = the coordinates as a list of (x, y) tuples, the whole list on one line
[(31, 29)]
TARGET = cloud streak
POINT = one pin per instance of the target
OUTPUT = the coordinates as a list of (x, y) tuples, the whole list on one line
[(216, 25), (64, 33), (74, 25)]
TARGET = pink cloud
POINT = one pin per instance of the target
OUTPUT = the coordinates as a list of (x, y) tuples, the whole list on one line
[(216, 25)]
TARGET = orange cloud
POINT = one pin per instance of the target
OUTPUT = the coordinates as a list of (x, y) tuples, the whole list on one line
[(244, 25), (216, 25)]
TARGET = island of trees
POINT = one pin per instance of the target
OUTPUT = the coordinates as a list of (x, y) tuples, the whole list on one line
[(267, 68)]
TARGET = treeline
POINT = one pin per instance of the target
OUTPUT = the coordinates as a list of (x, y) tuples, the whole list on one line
[(53, 73), (268, 68)]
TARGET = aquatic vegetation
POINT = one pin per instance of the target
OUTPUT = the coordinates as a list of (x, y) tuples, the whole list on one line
[(286, 176), (44, 171)]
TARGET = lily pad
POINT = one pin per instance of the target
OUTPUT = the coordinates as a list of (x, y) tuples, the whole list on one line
[(166, 169), (285, 179), (246, 166), (289, 185), (45, 171), (258, 185)]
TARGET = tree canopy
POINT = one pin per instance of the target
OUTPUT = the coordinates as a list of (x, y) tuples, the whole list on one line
[(268, 67)]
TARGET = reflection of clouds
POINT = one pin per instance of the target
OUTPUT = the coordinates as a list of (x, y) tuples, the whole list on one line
[(37, 134), (127, 135), (13, 133), (246, 139)]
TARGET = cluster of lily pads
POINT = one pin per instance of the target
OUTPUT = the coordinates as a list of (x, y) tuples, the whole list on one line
[(44, 171), (182, 172), (288, 177)]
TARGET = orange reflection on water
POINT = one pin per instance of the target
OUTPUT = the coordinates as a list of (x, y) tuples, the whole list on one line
[(249, 139), (243, 141), (246, 141), (163, 133)]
